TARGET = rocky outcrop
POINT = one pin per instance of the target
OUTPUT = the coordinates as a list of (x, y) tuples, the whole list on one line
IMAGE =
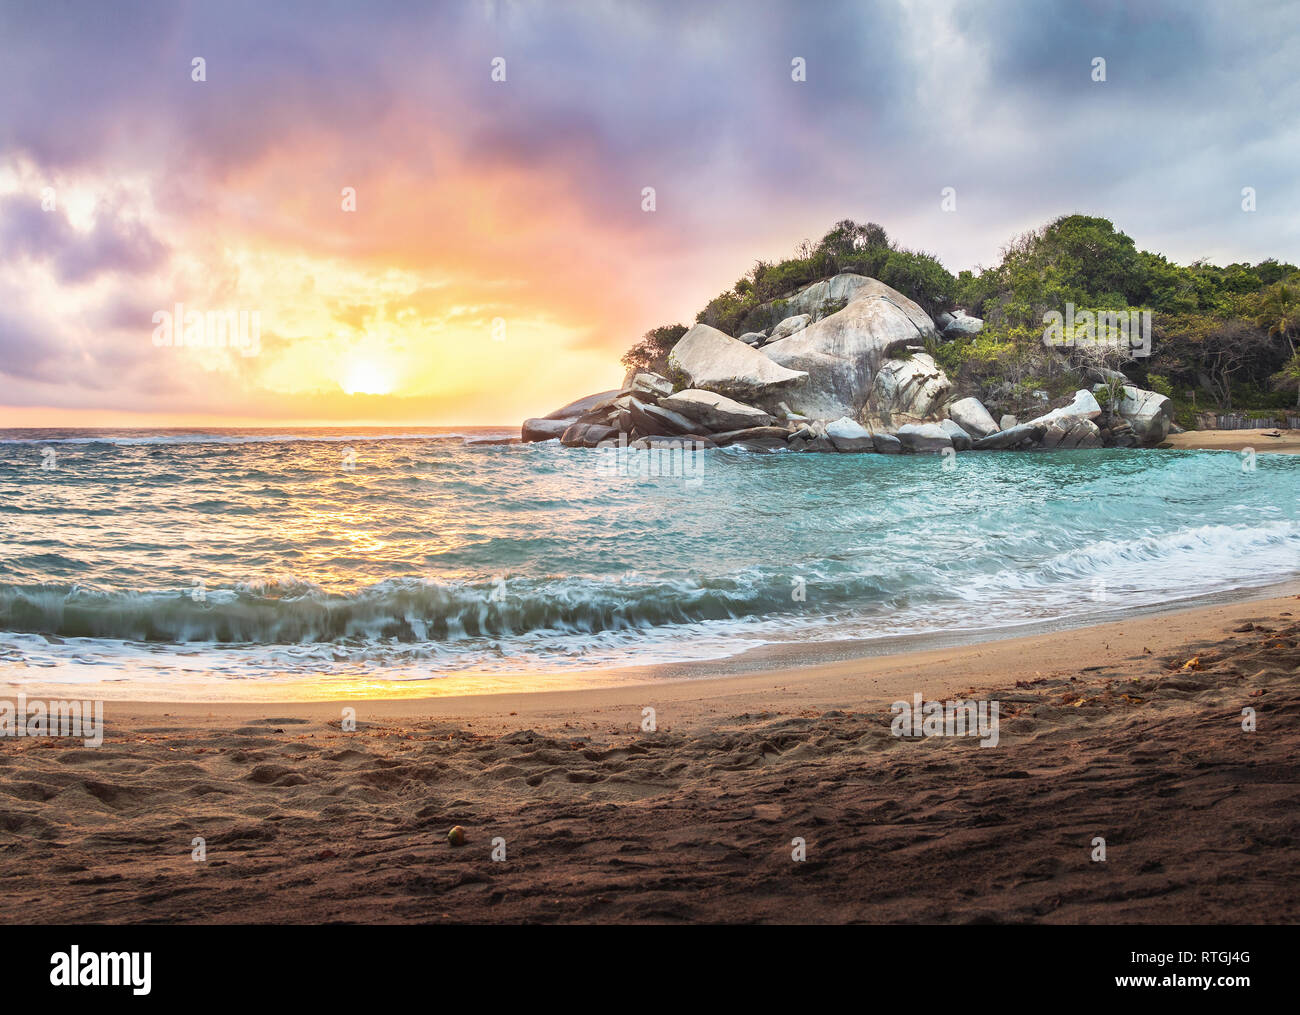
[(1023, 435), (544, 429), (1083, 405), (713, 411), (1007, 422), (914, 386), (842, 353), (961, 440), (1067, 432), (924, 438), (1146, 412), (960, 323), (789, 326), (887, 444), (583, 405), (717, 362), (971, 416), (849, 435)]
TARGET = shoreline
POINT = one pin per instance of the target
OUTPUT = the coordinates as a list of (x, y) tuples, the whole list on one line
[(1130, 732)]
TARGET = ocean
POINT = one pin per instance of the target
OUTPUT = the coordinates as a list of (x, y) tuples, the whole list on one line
[(315, 563)]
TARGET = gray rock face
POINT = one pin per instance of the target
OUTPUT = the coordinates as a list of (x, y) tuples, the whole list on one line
[(848, 435), (586, 435), (1007, 422), (753, 338), (962, 323), (887, 444), (544, 429), (1067, 432), (583, 405), (1023, 435), (713, 411), (971, 416), (924, 438), (790, 325), (1147, 412), (653, 420), (961, 440), (842, 352), (717, 362), (1083, 406), (750, 434), (943, 320), (651, 385), (914, 386)]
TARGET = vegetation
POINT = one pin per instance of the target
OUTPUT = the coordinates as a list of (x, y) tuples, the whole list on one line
[(1221, 337)]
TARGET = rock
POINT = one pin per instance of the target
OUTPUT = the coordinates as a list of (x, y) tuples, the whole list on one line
[(847, 435), (586, 435), (1066, 432), (583, 405), (754, 338), (1011, 437), (789, 326), (1147, 412), (761, 444), (842, 352), (651, 385), (971, 416), (753, 433), (943, 320), (717, 362), (914, 386), (924, 438), (713, 411), (1084, 405), (456, 836), (887, 444), (1007, 422), (962, 323), (961, 440), (654, 420), (544, 429)]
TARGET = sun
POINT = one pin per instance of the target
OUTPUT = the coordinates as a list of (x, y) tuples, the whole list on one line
[(366, 378)]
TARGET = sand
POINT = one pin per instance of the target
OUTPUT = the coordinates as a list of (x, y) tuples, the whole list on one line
[(1287, 442), (1130, 731)]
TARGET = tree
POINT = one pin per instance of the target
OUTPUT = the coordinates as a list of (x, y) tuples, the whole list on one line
[(651, 353)]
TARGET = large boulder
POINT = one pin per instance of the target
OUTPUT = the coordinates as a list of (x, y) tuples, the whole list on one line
[(961, 440), (651, 386), (717, 362), (971, 416), (914, 386), (583, 405), (713, 411), (1083, 406), (842, 352), (1066, 432), (960, 323), (789, 326), (654, 420), (848, 435), (924, 438), (1147, 412), (750, 435), (544, 429), (887, 444), (586, 435), (1023, 435)]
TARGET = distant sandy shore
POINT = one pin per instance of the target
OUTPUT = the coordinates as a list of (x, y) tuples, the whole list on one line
[(1237, 440), (1130, 732)]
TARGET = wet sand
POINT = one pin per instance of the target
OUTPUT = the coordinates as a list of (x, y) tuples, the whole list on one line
[(1130, 731), (1286, 443)]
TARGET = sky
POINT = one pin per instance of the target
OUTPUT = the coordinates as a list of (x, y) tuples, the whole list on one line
[(435, 213)]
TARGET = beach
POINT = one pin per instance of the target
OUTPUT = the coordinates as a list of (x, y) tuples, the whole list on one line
[(1129, 732), (1286, 442)]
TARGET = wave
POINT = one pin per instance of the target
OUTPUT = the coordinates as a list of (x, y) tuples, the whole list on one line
[(401, 610)]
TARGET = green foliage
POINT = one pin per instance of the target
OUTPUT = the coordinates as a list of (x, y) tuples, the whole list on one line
[(651, 353), (1230, 332)]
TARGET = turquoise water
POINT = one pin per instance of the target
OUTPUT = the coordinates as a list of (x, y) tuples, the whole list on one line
[(172, 558)]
